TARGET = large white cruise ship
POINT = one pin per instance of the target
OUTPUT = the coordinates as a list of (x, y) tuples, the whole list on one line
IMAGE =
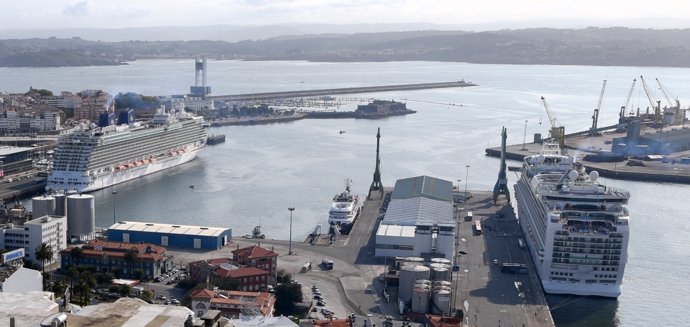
[(577, 229), (92, 158), (345, 208)]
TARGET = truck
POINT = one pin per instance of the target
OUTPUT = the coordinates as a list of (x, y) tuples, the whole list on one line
[(306, 267), (327, 264)]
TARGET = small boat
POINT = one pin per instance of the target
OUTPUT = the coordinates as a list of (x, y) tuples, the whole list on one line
[(191, 186), (342, 132)]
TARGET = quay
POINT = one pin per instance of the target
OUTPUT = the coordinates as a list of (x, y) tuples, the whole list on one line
[(347, 90), (625, 168)]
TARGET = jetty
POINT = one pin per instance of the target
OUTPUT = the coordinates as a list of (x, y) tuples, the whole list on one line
[(346, 90)]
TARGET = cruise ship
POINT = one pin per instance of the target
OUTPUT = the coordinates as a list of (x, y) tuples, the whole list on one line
[(91, 158), (576, 229), (345, 208)]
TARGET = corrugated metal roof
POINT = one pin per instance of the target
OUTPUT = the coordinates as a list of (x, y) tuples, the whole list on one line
[(167, 228), (395, 230), (419, 211), (424, 186)]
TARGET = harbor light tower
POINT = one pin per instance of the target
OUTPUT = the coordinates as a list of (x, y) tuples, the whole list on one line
[(200, 87)]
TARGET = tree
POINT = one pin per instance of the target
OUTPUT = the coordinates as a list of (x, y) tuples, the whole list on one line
[(287, 294), (44, 253), (147, 296), (75, 254), (283, 276)]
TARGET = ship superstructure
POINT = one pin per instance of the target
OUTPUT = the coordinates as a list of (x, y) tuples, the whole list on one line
[(577, 229), (91, 158), (345, 207)]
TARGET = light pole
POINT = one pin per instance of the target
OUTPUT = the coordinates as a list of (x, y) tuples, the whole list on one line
[(467, 173), (114, 193), (524, 136), (290, 242)]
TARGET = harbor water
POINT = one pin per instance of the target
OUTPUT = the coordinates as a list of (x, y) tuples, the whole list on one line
[(261, 170)]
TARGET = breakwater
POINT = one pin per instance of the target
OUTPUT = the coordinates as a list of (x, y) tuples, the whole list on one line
[(335, 91)]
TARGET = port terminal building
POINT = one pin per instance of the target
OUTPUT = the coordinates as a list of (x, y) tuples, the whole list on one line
[(419, 220), (168, 235)]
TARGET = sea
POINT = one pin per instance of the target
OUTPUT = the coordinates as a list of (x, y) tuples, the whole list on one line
[(262, 170)]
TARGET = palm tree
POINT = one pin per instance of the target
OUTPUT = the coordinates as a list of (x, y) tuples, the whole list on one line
[(76, 253), (131, 257), (44, 253)]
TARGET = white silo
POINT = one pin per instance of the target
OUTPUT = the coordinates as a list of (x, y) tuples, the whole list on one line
[(409, 273), (420, 299), (441, 260), (441, 302), (60, 204), (42, 206), (440, 271), (81, 216), (442, 283)]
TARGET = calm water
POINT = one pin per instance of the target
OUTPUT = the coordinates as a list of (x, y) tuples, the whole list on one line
[(262, 170)]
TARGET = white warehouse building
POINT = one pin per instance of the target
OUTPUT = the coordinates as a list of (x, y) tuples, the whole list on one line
[(51, 230), (419, 221)]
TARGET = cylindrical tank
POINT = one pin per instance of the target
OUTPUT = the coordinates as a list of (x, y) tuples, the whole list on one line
[(414, 260), (420, 299), (409, 273), (441, 302), (445, 283), (43, 205), (60, 204), (81, 215), (440, 271), (424, 282)]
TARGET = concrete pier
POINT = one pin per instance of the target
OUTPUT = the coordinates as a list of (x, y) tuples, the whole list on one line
[(488, 296), (347, 90)]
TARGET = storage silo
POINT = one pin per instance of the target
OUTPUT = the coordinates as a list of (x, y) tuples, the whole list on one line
[(409, 273), (442, 283), (441, 302), (420, 299), (441, 260), (440, 271), (60, 204), (81, 215), (414, 260), (42, 206)]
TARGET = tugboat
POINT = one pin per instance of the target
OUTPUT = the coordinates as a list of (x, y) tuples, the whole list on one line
[(257, 233)]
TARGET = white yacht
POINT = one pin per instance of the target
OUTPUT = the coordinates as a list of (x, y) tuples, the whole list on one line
[(91, 158), (577, 230), (345, 207)]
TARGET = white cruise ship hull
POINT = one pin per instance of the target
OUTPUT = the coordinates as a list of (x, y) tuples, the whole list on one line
[(83, 184), (580, 289)]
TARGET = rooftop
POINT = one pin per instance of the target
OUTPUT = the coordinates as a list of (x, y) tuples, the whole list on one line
[(254, 252), (423, 186), (167, 228), (8, 150), (396, 230), (129, 312), (29, 308), (240, 272), (419, 211)]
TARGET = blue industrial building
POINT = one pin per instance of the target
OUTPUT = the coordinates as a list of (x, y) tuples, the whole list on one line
[(168, 235)]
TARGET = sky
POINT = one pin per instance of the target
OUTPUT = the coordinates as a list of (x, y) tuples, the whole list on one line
[(49, 14)]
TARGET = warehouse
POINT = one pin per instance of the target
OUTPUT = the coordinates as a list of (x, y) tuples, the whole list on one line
[(419, 220), (180, 236)]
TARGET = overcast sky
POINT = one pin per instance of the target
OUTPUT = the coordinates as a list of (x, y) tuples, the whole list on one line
[(136, 13)]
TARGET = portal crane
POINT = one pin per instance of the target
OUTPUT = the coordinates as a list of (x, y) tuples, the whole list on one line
[(656, 104), (557, 132), (668, 99), (621, 116), (595, 116)]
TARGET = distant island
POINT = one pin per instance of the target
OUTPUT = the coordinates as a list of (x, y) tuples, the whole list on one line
[(615, 46)]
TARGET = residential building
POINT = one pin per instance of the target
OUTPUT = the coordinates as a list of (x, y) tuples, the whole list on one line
[(256, 256), (233, 303), (51, 230), (151, 259), (250, 278)]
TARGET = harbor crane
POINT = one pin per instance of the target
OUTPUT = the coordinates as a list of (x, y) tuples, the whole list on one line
[(671, 104), (656, 104), (595, 116), (557, 132), (627, 101)]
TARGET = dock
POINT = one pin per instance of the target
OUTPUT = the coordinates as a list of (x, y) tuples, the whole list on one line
[(488, 296), (337, 91), (580, 144)]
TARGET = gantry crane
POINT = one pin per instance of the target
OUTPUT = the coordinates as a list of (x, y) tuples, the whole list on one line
[(595, 116), (557, 133)]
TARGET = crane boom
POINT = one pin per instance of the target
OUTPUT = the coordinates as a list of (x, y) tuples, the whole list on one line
[(663, 91), (650, 97), (632, 88), (552, 119), (595, 116)]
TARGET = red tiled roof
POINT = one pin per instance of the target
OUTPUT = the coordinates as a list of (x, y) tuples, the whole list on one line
[(240, 272), (253, 252), (208, 294), (119, 249)]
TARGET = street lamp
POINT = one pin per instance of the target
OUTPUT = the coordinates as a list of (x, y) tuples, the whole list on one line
[(524, 136), (114, 193), (467, 172), (290, 242)]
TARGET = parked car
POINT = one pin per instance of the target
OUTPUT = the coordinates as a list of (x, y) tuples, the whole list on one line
[(175, 301), (318, 297), (321, 303)]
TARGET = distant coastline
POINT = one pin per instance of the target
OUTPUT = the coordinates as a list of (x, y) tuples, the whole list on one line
[(615, 46)]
